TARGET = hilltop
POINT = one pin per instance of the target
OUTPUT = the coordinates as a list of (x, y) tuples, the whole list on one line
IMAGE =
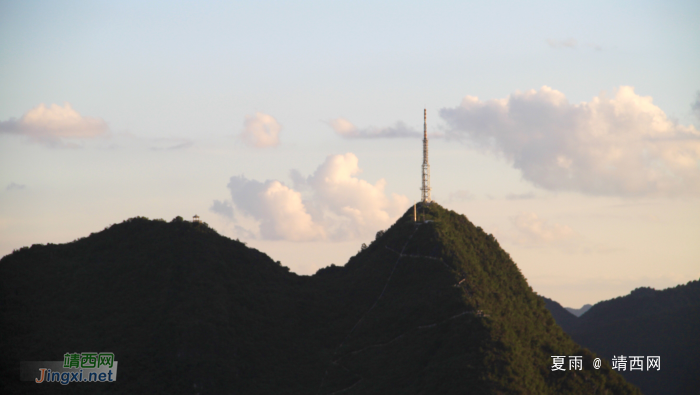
[(427, 308)]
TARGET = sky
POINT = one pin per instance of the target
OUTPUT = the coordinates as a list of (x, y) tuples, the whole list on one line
[(568, 130)]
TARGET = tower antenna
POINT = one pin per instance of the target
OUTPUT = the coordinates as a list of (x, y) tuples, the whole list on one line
[(425, 184)]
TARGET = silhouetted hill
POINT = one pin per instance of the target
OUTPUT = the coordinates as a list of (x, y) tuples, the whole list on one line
[(647, 322), (429, 308), (561, 315)]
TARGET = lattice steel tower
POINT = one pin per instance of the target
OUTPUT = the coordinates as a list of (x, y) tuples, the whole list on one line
[(425, 185)]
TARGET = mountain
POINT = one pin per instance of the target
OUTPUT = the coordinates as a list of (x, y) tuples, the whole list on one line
[(564, 318), (647, 322), (435, 307), (579, 312)]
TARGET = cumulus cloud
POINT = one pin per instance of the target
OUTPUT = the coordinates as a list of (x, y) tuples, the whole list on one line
[(520, 196), (261, 130), (613, 145), (460, 196), (568, 43), (571, 43), (170, 144), (696, 106), (531, 231), (534, 230), (13, 186), (346, 129), (222, 208), (54, 125), (351, 207), (337, 205), (279, 209)]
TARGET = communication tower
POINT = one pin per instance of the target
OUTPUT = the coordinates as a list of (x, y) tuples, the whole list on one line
[(425, 185)]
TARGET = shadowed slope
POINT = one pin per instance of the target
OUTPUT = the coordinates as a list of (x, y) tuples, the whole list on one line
[(644, 323), (561, 315), (650, 322)]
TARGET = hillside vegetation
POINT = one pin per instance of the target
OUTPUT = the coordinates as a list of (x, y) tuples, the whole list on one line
[(429, 308)]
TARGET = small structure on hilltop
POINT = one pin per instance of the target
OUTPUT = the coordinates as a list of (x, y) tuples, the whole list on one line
[(196, 219)]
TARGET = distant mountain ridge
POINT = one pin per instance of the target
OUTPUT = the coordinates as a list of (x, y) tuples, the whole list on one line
[(645, 322), (427, 308), (579, 312)]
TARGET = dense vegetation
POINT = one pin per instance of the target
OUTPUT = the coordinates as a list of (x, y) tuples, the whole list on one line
[(566, 320), (430, 308), (647, 322)]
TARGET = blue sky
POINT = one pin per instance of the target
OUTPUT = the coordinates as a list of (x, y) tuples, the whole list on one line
[(578, 147)]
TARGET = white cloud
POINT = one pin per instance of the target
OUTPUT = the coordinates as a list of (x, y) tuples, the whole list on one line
[(54, 125), (13, 186), (170, 144), (533, 230), (261, 130), (568, 43), (346, 129), (222, 208), (352, 207), (572, 43), (338, 205), (622, 145), (279, 209), (460, 195), (520, 196)]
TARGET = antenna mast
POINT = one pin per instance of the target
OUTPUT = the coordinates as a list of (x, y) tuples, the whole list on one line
[(425, 185)]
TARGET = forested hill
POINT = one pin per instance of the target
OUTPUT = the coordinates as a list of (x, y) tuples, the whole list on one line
[(663, 323), (435, 307), (561, 315)]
